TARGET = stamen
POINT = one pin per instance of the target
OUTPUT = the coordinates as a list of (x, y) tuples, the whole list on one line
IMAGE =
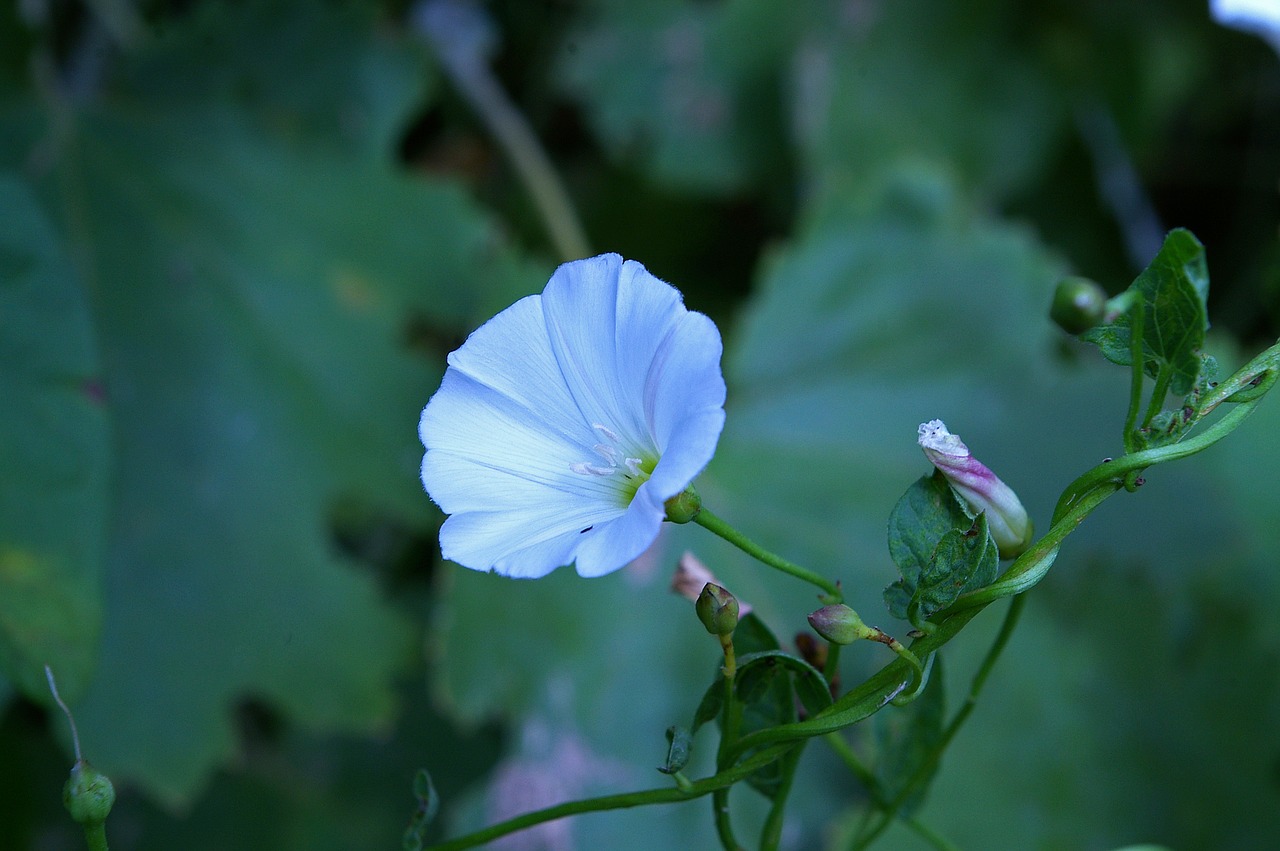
[(608, 453), (606, 431), (584, 469), (633, 464)]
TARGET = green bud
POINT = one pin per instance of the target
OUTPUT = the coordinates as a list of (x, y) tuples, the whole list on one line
[(717, 609), (684, 506), (1078, 305), (840, 624), (88, 794)]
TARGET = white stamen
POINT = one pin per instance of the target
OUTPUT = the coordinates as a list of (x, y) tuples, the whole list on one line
[(606, 431), (584, 469), (608, 453), (633, 464)]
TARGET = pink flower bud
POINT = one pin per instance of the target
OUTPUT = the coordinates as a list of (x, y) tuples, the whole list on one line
[(979, 487)]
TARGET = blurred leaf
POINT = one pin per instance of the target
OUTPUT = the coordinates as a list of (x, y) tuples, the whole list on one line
[(314, 74), (906, 737), (55, 456), (693, 92), (258, 303), (1172, 290), (913, 80)]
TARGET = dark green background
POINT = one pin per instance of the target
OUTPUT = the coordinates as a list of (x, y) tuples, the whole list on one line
[(237, 240)]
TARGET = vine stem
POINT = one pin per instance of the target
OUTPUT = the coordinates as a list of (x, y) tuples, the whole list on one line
[(460, 36), (712, 523), (667, 795), (926, 768)]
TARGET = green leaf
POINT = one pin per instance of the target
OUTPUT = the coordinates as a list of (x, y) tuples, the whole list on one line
[(54, 451), (687, 90), (939, 551), (906, 737), (1172, 291), (917, 81), (260, 301)]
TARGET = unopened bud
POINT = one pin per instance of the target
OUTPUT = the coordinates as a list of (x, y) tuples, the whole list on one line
[(717, 609), (840, 624), (88, 794), (692, 576), (979, 487), (1078, 305)]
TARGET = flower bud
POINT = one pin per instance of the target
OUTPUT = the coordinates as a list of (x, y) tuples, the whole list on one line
[(1078, 305), (684, 506), (717, 609), (88, 794), (979, 487), (840, 624), (692, 576)]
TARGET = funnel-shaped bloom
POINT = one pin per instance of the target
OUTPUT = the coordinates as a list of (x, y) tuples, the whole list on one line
[(564, 423), (979, 487)]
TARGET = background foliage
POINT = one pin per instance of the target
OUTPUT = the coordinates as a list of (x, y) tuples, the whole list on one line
[(237, 240)]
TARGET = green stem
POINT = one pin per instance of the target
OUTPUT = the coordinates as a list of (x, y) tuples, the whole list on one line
[(666, 795), (771, 833), (462, 58), (1264, 366), (95, 835), (709, 521), (929, 765), (932, 837), (855, 765), (1158, 394), (730, 722), (1138, 364)]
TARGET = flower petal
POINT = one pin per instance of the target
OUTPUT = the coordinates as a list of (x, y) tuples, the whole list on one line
[(549, 411)]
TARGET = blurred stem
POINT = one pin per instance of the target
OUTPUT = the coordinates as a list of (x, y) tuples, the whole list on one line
[(929, 765), (842, 748), (771, 833), (95, 835), (709, 521), (730, 722), (458, 33), (665, 795)]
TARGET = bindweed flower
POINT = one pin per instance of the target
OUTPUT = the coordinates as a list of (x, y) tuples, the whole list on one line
[(1260, 17), (565, 422), (979, 487)]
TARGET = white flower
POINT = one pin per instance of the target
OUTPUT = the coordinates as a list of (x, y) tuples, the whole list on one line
[(1260, 17), (979, 487), (565, 422)]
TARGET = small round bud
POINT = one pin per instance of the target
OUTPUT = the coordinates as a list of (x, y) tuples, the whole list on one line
[(88, 794), (840, 624), (717, 609), (1078, 305), (684, 506)]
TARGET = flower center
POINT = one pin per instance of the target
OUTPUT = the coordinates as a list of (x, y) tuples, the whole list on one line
[(634, 470)]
